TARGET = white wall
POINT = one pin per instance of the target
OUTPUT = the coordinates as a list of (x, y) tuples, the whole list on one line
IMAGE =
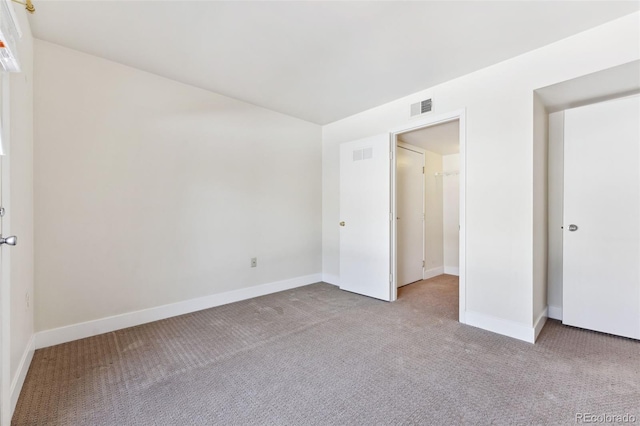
[(540, 212), (151, 192), (434, 255), (556, 197), (451, 213), (500, 225)]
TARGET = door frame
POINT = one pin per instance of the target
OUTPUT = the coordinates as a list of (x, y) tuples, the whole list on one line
[(433, 120), (418, 150)]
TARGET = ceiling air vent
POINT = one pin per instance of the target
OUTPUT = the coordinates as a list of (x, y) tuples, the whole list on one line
[(420, 108)]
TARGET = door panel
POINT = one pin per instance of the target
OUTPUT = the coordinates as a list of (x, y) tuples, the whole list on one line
[(410, 214), (601, 272), (365, 206)]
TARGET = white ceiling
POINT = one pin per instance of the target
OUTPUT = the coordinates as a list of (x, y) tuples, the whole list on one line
[(319, 61), (443, 139)]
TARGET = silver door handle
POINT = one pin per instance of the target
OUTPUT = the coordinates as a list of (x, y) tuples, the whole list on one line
[(573, 228), (10, 241)]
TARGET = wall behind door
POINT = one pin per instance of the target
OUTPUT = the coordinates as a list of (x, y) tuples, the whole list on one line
[(556, 196), (451, 213), (442, 214), (434, 255)]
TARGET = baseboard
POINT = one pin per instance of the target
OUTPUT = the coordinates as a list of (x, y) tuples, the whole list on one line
[(452, 270), (433, 272), (82, 330), (331, 279), (21, 375), (540, 322), (555, 312), (508, 328)]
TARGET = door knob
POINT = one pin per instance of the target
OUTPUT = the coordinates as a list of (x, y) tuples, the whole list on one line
[(573, 228), (341, 223), (11, 241)]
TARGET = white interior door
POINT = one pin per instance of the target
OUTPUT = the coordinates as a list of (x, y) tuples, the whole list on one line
[(5, 297), (365, 207), (601, 270), (5, 289), (409, 214)]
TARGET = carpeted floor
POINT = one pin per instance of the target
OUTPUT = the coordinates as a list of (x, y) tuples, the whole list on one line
[(318, 355)]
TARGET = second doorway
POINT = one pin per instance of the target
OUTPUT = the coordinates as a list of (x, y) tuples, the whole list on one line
[(427, 202)]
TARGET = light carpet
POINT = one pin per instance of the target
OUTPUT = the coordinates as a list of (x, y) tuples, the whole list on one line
[(317, 355)]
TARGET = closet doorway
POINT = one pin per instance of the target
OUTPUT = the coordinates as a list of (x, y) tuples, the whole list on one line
[(428, 202)]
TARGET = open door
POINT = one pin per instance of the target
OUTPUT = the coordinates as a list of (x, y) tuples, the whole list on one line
[(365, 215), (5, 289), (410, 214)]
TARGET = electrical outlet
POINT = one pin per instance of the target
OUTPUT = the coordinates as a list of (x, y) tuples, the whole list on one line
[(254, 262)]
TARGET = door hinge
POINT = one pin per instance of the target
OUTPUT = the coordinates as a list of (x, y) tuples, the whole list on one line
[(423, 170), (390, 278), (2, 211), (423, 263), (390, 155)]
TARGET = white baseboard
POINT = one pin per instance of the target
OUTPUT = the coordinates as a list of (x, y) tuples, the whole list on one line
[(452, 270), (434, 272), (69, 333), (331, 279), (508, 328), (540, 322), (555, 312), (21, 374)]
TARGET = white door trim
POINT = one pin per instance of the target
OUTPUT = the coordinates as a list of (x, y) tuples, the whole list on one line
[(429, 121), (424, 211)]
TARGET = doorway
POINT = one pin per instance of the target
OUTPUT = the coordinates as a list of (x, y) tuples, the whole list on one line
[(440, 140), (368, 211), (592, 171), (427, 202)]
